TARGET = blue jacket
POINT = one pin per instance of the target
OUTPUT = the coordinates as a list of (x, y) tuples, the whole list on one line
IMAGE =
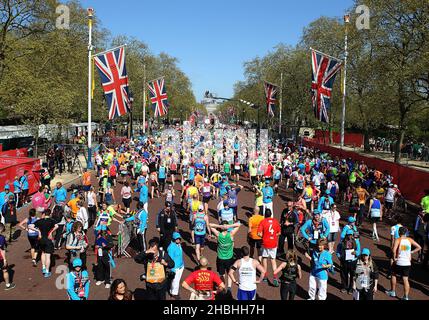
[(176, 254), (307, 230), (142, 216), (317, 260), (267, 193), (144, 194), (321, 202), (73, 285), (16, 187), (345, 229)]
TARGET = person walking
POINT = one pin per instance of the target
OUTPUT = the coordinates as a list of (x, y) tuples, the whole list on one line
[(32, 235), (247, 282), (365, 282), (289, 220), (78, 281), (141, 219), (103, 247), (348, 252), (175, 252), (321, 263), (76, 245), (290, 271), (375, 214), (10, 217), (253, 239), (157, 264), (166, 225), (4, 267)]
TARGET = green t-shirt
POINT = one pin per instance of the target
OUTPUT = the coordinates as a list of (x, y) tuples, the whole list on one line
[(352, 177), (227, 167), (138, 167), (225, 246), (425, 204)]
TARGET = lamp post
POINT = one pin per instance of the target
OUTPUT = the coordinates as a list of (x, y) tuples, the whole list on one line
[(130, 125), (90, 12), (343, 119)]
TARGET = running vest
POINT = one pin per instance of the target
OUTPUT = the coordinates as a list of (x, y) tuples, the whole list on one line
[(247, 275), (404, 253), (300, 182), (227, 215), (289, 273), (206, 190), (200, 224), (46, 175), (225, 246), (375, 209), (30, 223), (169, 197)]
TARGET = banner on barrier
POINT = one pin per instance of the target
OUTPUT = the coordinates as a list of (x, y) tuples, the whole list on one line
[(10, 167)]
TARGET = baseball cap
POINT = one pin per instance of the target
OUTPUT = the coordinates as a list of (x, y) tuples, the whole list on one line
[(7, 187), (316, 213), (351, 220), (366, 252), (77, 263), (176, 235)]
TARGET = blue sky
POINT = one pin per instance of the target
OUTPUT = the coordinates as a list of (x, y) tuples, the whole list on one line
[(212, 39)]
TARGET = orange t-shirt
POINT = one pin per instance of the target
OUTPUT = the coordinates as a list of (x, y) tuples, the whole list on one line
[(86, 178), (73, 206), (254, 222)]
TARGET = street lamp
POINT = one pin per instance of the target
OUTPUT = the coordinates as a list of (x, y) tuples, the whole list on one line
[(130, 126)]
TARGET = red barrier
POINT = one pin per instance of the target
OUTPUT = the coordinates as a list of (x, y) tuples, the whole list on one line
[(20, 153), (11, 167), (350, 139), (412, 182), (1, 147)]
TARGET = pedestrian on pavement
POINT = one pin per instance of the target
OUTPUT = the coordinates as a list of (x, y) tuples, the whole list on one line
[(32, 235), (76, 245), (166, 225), (348, 252), (321, 263), (10, 217), (365, 282), (119, 291), (103, 248)]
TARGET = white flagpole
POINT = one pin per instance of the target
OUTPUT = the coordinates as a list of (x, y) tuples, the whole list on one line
[(144, 99), (343, 119), (90, 48), (281, 103)]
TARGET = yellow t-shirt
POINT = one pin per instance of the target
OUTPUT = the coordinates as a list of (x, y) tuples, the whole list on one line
[(191, 191)]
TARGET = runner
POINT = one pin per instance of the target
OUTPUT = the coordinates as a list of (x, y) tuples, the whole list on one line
[(247, 282), (200, 227), (402, 255), (204, 281), (290, 271), (269, 229), (253, 239), (31, 234), (375, 214)]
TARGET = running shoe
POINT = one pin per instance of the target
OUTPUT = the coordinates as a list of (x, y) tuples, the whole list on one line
[(34, 263), (10, 286), (98, 283), (405, 298), (47, 274), (107, 286), (391, 293), (44, 271), (275, 282)]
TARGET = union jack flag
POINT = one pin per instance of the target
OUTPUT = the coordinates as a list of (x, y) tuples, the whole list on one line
[(114, 79), (158, 97), (271, 97), (325, 70)]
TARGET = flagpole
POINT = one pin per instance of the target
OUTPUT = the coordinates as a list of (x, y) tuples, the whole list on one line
[(281, 103), (90, 48), (144, 99), (343, 119)]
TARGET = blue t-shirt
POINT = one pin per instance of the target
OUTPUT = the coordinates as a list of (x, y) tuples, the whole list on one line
[(222, 189), (24, 182), (232, 197), (268, 194), (144, 194), (227, 214), (60, 195), (16, 187), (319, 259), (277, 174), (191, 173)]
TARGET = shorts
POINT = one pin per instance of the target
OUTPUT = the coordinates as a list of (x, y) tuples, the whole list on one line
[(173, 172), (308, 205), (223, 266), (253, 180), (46, 246), (127, 202), (243, 295), (402, 271), (161, 180), (332, 237), (276, 181), (2, 267), (388, 204), (34, 242), (269, 253), (200, 239), (206, 199), (86, 188), (124, 174), (298, 191), (216, 185), (237, 171), (254, 243), (375, 219)]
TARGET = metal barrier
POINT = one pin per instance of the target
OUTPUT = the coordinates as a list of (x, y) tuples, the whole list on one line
[(126, 233)]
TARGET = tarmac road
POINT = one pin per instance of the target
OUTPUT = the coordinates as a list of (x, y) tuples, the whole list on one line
[(30, 283)]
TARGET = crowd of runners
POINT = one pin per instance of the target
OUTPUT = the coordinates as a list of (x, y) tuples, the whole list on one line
[(82, 220)]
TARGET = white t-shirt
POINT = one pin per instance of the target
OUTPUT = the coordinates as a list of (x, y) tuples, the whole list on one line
[(126, 192), (390, 194), (333, 219)]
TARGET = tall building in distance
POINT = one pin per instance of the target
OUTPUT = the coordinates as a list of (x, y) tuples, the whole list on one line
[(211, 104)]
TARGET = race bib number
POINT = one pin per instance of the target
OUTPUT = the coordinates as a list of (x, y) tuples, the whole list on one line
[(315, 235)]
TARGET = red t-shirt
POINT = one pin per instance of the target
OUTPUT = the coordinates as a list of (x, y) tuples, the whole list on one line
[(269, 227), (269, 171), (203, 280)]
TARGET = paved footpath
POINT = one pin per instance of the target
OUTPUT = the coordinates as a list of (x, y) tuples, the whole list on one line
[(30, 283)]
